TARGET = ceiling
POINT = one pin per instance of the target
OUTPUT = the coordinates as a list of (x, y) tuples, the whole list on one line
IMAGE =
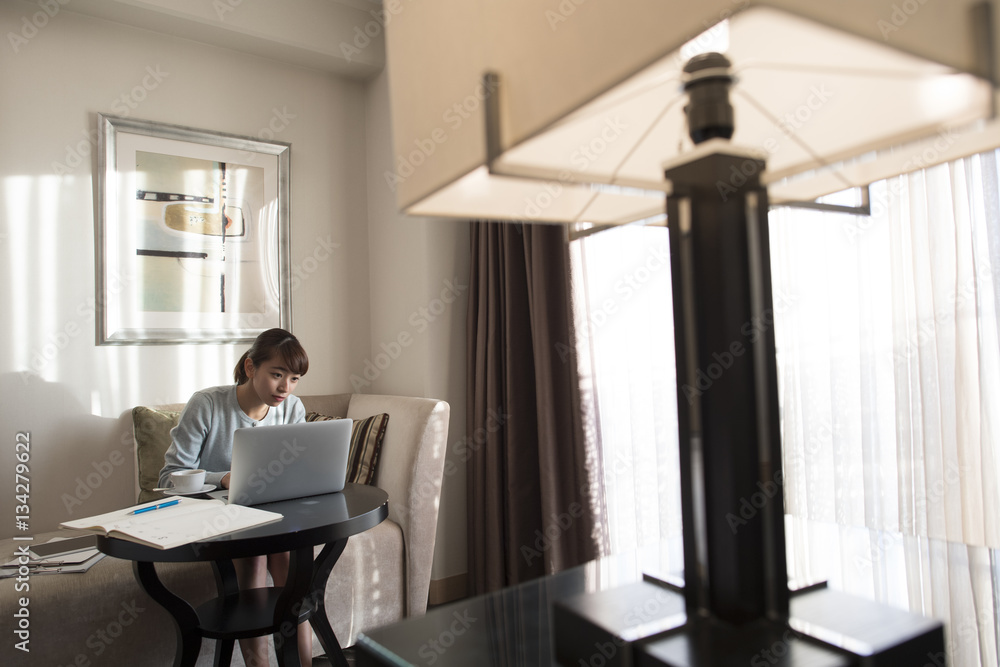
[(343, 37)]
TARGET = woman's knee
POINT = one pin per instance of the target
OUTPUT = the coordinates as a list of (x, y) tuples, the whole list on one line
[(251, 572), (277, 565)]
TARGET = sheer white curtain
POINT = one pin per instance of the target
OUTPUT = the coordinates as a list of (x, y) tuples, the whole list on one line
[(626, 350), (889, 373)]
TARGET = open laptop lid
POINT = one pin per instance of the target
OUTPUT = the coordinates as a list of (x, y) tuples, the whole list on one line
[(272, 463)]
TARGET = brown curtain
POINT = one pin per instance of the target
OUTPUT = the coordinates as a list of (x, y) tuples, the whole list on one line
[(533, 482)]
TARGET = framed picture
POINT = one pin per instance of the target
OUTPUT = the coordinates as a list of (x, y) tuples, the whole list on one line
[(192, 234)]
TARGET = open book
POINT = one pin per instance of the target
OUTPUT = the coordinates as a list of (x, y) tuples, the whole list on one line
[(190, 520)]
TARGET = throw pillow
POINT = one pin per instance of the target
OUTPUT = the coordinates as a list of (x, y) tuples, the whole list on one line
[(151, 430), (366, 442)]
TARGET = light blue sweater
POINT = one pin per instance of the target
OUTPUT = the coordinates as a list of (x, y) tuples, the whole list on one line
[(203, 438)]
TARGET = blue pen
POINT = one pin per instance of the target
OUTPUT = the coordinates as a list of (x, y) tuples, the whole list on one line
[(156, 507)]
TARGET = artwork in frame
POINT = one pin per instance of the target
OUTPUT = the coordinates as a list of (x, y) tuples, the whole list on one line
[(192, 234)]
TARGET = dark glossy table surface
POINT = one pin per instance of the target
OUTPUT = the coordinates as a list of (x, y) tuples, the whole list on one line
[(305, 522), (515, 627), (512, 626)]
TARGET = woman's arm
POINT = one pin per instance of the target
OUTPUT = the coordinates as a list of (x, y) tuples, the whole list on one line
[(188, 440)]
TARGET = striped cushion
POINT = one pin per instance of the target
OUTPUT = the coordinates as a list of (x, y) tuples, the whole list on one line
[(366, 441)]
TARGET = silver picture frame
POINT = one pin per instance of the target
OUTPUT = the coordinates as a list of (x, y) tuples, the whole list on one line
[(192, 234)]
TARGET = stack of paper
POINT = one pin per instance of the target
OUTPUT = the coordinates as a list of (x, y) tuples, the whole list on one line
[(59, 556), (174, 523)]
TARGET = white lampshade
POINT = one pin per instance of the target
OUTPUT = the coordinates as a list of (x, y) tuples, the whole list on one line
[(591, 106)]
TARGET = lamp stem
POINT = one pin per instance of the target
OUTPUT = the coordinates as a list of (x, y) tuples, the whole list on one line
[(727, 393)]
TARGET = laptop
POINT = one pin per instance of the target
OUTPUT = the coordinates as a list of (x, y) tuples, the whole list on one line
[(284, 461)]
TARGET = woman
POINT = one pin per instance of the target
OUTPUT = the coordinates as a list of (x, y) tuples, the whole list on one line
[(266, 376)]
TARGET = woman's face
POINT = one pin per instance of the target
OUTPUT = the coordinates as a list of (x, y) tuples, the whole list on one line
[(272, 381)]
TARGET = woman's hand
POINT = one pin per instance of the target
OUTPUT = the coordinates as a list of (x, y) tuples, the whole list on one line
[(225, 481)]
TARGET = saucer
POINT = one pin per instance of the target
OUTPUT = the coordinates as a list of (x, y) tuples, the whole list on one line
[(175, 492)]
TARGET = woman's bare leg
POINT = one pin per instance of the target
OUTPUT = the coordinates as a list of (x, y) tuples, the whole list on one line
[(252, 573), (277, 565)]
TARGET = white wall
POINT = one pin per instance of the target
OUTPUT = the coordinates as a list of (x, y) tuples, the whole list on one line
[(57, 384), (418, 272), (391, 277)]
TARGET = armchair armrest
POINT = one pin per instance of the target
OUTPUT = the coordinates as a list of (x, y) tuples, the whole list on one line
[(411, 471)]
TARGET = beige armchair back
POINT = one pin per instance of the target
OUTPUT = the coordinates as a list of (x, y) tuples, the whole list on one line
[(410, 470)]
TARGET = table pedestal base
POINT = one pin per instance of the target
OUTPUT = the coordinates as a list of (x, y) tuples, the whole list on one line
[(236, 614)]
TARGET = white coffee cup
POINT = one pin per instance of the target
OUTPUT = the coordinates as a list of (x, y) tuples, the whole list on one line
[(188, 481)]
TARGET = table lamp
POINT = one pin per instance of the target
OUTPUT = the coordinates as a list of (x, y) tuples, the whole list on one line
[(592, 113), (578, 104)]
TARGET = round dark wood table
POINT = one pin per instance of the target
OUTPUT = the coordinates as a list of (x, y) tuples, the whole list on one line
[(306, 522)]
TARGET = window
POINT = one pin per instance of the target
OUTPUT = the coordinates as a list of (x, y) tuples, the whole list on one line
[(889, 380)]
